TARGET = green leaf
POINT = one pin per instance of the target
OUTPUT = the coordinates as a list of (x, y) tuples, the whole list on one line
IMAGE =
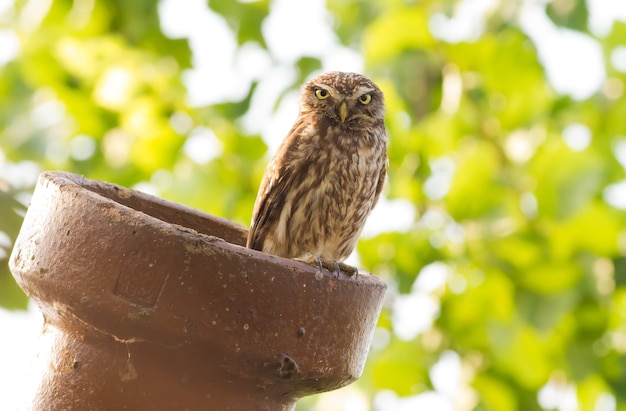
[(401, 367), (568, 13), (477, 189), (395, 32), (495, 394), (244, 18)]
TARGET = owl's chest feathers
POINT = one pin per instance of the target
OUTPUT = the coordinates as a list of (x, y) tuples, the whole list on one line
[(341, 163), (339, 175)]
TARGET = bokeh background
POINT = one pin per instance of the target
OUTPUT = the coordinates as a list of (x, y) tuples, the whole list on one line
[(502, 232)]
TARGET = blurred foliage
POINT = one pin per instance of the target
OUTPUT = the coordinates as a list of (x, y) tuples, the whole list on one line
[(534, 286)]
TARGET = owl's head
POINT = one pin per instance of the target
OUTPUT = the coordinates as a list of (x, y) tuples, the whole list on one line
[(347, 99)]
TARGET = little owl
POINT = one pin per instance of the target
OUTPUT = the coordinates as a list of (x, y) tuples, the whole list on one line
[(326, 176)]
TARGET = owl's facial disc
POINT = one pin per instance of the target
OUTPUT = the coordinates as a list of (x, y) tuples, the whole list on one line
[(342, 102)]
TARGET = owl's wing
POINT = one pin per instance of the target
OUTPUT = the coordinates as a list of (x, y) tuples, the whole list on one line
[(271, 197), (381, 183), (267, 201)]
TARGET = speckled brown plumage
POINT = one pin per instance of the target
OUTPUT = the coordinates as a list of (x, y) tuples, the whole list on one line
[(327, 174)]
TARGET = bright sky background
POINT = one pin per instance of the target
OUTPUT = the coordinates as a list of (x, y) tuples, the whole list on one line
[(574, 66)]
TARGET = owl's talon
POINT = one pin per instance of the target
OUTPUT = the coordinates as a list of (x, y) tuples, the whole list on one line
[(349, 270), (335, 267), (314, 261), (319, 263)]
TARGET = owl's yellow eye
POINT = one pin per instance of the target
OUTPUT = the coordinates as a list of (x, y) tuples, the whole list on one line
[(365, 98), (321, 94)]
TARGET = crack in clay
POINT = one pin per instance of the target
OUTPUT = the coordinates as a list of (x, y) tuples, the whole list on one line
[(62, 309), (130, 373)]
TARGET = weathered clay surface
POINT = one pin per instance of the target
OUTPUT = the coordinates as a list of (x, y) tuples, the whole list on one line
[(150, 305)]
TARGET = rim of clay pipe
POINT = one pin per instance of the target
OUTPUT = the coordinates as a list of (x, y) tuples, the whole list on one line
[(135, 267)]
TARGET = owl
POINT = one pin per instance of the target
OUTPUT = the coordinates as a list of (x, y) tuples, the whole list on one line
[(326, 176)]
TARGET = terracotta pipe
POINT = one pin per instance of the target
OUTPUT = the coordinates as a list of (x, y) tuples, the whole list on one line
[(150, 305)]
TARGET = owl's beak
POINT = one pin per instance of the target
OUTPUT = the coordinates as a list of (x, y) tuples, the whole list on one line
[(343, 111)]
